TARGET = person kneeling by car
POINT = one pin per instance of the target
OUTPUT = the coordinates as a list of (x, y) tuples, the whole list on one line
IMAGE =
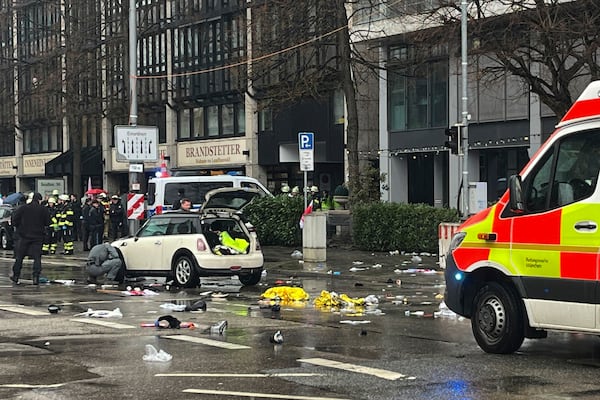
[(104, 259)]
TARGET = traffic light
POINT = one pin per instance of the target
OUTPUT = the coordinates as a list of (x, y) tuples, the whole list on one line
[(453, 139)]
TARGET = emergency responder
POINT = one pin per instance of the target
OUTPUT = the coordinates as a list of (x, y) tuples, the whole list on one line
[(326, 201), (104, 259), (285, 190), (49, 245), (295, 191), (96, 222), (105, 208), (315, 198), (116, 214), (66, 223)]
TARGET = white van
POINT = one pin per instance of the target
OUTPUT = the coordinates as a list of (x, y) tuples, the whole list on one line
[(163, 192)]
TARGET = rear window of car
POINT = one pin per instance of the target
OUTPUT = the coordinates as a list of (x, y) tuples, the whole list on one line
[(194, 191)]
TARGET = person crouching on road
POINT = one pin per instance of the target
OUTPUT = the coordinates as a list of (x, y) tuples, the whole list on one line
[(104, 259), (30, 221)]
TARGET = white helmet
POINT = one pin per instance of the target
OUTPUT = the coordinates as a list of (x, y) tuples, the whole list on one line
[(64, 197), (51, 200), (285, 189), (314, 189)]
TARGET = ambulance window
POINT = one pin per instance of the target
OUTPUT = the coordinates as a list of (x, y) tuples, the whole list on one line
[(565, 175)]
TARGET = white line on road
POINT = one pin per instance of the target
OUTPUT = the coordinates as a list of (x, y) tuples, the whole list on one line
[(107, 324), (276, 375), (208, 342), (381, 373), (259, 395), (21, 310), (27, 386)]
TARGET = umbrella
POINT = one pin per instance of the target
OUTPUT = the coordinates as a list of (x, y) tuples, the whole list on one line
[(14, 198), (95, 191)]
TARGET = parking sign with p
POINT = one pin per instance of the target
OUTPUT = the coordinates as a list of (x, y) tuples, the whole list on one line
[(306, 147)]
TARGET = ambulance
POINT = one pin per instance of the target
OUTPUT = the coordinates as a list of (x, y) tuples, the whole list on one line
[(531, 262)]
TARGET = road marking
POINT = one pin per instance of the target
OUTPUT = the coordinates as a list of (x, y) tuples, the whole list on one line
[(259, 395), (381, 373), (276, 375), (107, 324), (27, 386), (21, 310), (208, 342)]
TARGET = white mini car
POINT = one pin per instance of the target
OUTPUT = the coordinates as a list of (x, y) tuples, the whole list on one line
[(183, 245)]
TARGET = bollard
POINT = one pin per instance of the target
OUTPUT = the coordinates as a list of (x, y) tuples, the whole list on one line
[(314, 238)]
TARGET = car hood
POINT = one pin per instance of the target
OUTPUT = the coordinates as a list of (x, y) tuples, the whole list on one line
[(229, 199)]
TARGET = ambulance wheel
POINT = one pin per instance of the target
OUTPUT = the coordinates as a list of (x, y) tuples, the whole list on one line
[(497, 320), (184, 272)]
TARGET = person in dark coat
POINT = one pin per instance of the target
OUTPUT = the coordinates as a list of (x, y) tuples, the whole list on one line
[(30, 221), (116, 214), (85, 224), (96, 223)]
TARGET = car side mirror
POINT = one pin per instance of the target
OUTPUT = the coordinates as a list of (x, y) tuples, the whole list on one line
[(515, 193)]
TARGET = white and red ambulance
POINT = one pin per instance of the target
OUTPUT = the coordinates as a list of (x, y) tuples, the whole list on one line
[(531, 262)]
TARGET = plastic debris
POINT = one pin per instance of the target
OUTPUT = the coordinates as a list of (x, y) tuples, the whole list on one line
[(357, 263), (139, 292), (219, 295), (416, 259), (66, 282), (263, 274), (173, 307), (445, 312), (355, 269), (371, 300), (328, 300), (296, 254), (394, 252), (218, 328), (156, 356), (285, 294), (276, 338), (116, 313), (376, 266), (354, 322)]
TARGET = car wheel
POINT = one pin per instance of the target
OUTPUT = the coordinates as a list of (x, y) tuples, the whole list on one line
[(250, 279), (185, 272), (4, 241), (497, 319)]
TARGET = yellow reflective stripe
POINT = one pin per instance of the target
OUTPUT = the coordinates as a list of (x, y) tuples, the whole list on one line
[(532, 246)]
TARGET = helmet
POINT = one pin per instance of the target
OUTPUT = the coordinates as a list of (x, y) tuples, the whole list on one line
[(64, 197), (285, 189), (102, 195), (52, 200), (314, 189), (114, 197), (296, 189), (55, 192)]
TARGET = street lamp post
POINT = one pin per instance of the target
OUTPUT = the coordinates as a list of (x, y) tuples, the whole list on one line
[(465, 114)]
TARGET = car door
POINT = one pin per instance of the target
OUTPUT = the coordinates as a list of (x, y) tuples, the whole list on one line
[(145, 251), (556, 242)]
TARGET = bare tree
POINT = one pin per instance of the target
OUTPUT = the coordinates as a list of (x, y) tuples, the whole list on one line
[(305, 50), (552, 45)]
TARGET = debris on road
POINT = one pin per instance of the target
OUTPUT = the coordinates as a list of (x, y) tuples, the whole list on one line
[(276, 338), (116, 313), (286, 294), (156, 356)]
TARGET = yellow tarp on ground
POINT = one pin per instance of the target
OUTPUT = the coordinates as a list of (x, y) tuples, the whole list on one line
[(286, 293), (328, 300)]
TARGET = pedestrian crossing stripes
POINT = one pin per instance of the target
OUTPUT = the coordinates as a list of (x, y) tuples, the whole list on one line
[(380, 373), (22, 310), (208, 342), (259, 395), (107, 324)]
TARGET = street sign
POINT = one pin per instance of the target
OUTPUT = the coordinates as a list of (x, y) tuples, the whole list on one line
[(136, 143), (306, 142)]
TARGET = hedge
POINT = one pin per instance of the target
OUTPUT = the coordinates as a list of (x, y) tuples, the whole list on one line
[(375, 226)]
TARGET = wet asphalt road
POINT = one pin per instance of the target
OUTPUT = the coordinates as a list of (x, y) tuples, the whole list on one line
[(325, 354)]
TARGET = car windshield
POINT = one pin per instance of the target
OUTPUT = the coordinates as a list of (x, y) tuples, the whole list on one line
[(234, 200), (175, 225)]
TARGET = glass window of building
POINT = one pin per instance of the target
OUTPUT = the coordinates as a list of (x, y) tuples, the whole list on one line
[(212, 120), (184, 124), (228, 119)]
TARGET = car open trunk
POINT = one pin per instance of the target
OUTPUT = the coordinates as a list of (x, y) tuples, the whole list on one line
[(226, 235)]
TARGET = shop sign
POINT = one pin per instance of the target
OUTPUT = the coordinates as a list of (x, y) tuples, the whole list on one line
[(36, 164), (211, 153), (6, 166)]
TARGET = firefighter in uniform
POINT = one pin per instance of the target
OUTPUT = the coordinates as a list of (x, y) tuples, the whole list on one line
[(105, 206), (67, 223), (49, 245)]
